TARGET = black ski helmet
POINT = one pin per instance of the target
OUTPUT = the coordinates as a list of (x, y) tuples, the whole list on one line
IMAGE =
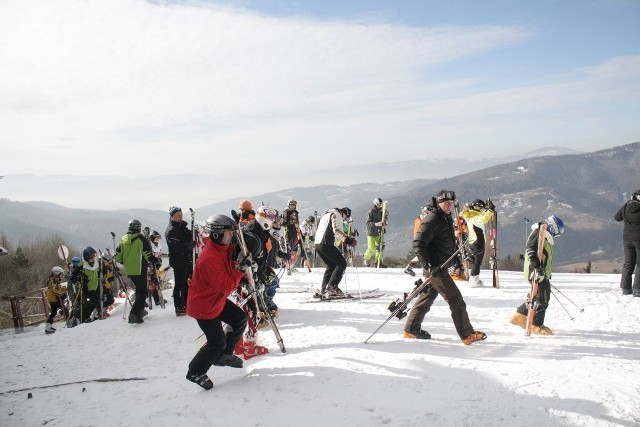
[(134, 226), (478, 204), (216, 226), (377, 202), (155, 235), (346, 212)]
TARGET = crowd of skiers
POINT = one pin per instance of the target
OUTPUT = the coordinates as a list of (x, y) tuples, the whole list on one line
[(239, 258)]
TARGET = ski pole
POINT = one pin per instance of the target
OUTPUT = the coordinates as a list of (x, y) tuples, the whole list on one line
[(563, 307), (568, 299)]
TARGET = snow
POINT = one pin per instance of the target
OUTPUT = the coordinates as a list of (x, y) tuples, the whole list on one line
[(586, 374)]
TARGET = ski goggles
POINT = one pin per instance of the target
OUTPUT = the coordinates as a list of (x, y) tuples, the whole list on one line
[(445, 196)]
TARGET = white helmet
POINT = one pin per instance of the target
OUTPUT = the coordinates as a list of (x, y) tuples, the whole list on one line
[(266, 216), (57, 271)]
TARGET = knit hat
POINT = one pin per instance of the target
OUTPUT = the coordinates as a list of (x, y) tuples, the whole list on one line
[(174, 209)]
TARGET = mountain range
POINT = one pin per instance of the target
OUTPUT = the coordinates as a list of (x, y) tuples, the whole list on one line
[(584, 189)]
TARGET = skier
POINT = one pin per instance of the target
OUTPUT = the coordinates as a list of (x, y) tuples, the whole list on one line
[(290, 222), (309, 228), (630, 214), (375, 225), (87, 274), (433, 244), (416, 226), (56, 294), (542, 268), (246, 211), (267, 228), (180, 242), (330, 229), (476, 216), (215, 277), (134, 252)]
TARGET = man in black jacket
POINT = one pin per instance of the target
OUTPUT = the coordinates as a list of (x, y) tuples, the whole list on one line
[(433, 244), (180, 243), (630, 214)]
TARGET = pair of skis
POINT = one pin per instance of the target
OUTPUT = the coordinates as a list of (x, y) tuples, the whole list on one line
[(347, 296), (493, 242), (532, 303)]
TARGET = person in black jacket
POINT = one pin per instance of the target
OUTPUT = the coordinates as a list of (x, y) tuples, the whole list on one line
[(180, 243), (433, 244), (630, 214)]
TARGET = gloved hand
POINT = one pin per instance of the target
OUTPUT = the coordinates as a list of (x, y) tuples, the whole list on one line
[(350, 241), (537, 273), (490, 205)]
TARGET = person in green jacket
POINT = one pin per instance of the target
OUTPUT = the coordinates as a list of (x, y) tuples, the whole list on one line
[(541, 266), (87, 274), (134, 253)]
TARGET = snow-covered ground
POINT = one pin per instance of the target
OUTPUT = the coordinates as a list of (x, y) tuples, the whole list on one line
[(588, 373)]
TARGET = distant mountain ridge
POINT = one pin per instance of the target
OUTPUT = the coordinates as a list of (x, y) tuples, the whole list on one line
[(161, 191), (585, 190)]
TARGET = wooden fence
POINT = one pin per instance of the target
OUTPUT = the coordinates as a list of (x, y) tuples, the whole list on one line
[(26, 309)]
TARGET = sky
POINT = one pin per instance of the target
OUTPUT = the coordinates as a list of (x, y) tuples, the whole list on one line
[(118, 374), (146, 88)]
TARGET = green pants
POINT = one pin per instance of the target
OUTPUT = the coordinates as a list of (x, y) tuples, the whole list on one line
[(373, 242)]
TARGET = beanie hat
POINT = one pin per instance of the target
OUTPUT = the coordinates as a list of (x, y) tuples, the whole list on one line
[(174, 209)]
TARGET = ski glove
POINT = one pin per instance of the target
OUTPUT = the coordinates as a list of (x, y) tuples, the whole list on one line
[(538, 274), (350, 241)]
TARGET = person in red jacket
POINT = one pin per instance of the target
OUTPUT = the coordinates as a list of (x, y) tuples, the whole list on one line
[(215, 277)]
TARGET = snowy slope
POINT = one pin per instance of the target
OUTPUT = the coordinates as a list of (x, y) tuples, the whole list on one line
[(586, 374)]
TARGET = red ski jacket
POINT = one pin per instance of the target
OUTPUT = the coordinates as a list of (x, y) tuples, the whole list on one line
[(214, 278)]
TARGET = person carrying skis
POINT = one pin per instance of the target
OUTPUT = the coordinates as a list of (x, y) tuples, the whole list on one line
[(156, 251), (134, 252), (540, 270), (56, 294), (434, 243), (375, 224), (87, 274), (329, 230), (630, 214), (290, 222), (180, 242), (476, 216), (215, 277)]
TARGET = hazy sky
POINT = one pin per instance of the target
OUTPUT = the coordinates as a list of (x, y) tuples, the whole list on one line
[(138, 88)]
